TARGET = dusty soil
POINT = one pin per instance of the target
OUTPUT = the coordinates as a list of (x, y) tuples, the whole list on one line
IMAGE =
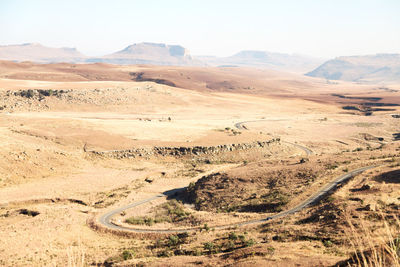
[(53, 115)]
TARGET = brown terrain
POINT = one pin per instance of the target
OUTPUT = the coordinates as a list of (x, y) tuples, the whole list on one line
[(82, 140)]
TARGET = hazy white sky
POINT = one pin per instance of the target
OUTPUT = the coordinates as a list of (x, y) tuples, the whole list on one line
[(323, 28)]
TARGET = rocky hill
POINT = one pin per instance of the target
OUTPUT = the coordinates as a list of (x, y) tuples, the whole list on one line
[(370, 68), (263, 59), (150, 53), (39, 53), (260, 187)]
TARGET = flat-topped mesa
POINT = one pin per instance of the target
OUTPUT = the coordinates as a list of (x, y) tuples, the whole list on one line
[(183, 151), (151, 53)]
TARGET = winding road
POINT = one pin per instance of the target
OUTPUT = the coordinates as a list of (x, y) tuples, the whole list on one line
[(106, 219)]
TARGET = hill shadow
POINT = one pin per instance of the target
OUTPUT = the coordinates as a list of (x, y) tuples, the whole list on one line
[(389, 177)]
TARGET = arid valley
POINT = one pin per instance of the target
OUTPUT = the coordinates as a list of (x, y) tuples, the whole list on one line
[(143, 165), (199, 133)]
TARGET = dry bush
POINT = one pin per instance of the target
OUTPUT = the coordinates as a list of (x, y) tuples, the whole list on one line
[(76, 256), (373, 246)]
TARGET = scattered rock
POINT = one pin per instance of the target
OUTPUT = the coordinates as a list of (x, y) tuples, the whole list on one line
[(303, 160), (183, 151), (149, 180)]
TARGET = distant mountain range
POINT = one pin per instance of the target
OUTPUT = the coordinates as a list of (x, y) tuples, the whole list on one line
[(263, 59), (159, 54), (40, 54), (142, 53), (370, 68)]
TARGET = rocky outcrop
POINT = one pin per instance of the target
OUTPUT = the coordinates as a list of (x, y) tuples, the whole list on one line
[(183, 151), (45, 99)]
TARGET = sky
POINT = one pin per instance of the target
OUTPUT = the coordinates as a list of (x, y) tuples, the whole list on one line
[(319, 28)]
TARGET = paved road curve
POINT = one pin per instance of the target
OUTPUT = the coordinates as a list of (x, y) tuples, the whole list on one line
[(326, 189)]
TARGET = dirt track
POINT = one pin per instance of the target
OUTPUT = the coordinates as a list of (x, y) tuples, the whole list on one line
[(241, 126)]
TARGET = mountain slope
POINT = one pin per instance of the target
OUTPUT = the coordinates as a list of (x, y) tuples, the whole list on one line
[(39, 53), (370, 68), (263, 59), (150, 53)]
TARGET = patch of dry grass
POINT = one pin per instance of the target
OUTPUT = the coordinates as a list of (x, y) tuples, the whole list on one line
[(375, 246)]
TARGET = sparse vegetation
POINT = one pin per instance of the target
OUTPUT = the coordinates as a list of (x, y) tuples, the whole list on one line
[(170, 212), (272, 196), (233, 236), (127, 254), (66, 189), (210, 247), (375, 249), (144, 220)]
